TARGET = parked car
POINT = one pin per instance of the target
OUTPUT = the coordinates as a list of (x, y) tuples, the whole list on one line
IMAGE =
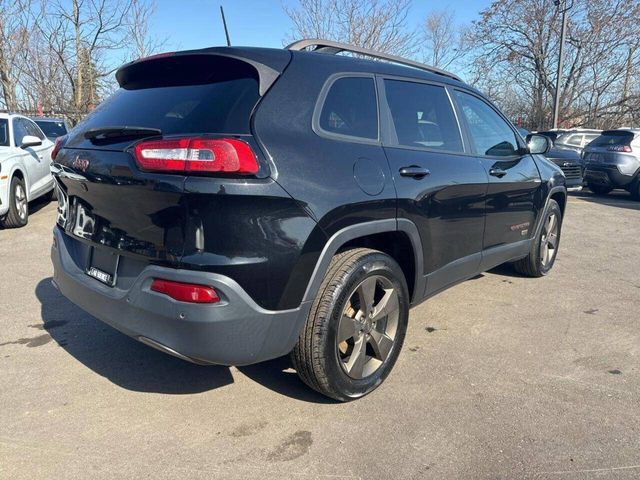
[(53, 128), (25, 157), (568, 160), (574, 139), (276, 201), (613, 161)]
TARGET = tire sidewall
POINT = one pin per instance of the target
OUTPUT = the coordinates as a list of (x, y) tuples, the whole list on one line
[(369, 265)]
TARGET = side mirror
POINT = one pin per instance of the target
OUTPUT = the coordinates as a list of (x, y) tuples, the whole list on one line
[(538, 144), (30, 141)]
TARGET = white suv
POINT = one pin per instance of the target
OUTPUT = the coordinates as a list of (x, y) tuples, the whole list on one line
[(25, 160)]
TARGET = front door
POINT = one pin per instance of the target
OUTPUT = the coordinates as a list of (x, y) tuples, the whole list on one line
[(514, 180), (440, 187)]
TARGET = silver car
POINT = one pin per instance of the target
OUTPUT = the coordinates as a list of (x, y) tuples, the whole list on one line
[(613, 161)]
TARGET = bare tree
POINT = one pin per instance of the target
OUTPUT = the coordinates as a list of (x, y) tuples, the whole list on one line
[(517, 47), (444, 40), (15, 28), (374, 24), (141, 39)]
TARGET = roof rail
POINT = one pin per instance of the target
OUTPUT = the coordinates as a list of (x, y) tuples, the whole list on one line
[(331, 47)]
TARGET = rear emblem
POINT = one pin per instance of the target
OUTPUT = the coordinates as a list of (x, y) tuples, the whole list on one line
[(80, 164)]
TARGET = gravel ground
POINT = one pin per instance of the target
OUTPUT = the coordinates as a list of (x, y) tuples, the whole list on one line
[(501, 377)]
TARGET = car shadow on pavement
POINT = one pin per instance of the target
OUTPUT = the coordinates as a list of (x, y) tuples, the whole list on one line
[(137, 367), (616, 198)]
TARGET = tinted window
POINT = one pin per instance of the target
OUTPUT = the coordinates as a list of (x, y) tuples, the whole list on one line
[(52, 129), (589, 137), (491, 135), (575, 140), (33, 129), (19, 131), (423, 116), (350, 108), (4, 133), (613, 137), (218, 102)]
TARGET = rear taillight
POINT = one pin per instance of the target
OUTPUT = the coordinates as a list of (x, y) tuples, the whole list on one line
[(58, 145), (620, 148), (204, 155), (185, 292)]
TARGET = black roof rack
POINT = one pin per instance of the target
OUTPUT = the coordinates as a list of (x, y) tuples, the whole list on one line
[(331, 47)]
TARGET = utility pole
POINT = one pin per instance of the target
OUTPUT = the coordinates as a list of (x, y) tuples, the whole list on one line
[(224, 23), (563, 7)]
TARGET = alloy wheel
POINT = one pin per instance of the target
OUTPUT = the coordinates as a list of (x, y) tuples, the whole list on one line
[(549, 240), (21, 201), (368, 326)]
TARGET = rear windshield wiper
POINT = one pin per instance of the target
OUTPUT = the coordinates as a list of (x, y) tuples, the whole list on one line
[(106, 133)]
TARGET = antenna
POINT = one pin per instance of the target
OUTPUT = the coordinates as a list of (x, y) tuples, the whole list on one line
[(224, 22)]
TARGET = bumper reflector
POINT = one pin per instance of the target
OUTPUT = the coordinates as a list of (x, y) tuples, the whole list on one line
[(185, 292)]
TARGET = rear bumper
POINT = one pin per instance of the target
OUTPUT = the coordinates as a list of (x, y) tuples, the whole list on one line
[(607, 176), (235, 331)]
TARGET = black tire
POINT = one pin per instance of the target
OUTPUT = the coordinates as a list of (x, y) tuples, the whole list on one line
[(18, 214), (318, 358), (534, 264), (599, 189)]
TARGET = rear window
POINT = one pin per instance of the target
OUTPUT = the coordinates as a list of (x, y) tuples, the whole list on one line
[(211, 95), (613, 137), (52, 129), (351, 108)]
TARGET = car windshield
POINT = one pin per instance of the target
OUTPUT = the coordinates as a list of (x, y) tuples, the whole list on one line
[(52, 129), (4, 133), (613, 137)]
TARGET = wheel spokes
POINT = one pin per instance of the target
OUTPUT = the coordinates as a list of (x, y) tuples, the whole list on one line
[(347, 328), (358, 358), (381, 344), (366, 292), (387, 305)]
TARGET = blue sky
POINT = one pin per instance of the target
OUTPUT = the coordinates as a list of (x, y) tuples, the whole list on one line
[(190, 24)]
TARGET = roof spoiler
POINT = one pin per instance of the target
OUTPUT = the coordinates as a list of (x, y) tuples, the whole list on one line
[(268, 66)]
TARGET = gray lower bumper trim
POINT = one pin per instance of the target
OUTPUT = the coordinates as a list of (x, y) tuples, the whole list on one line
[(235, 331)]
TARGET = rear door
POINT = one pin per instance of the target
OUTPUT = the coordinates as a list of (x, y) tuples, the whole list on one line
[(513, 196), (440, 186)]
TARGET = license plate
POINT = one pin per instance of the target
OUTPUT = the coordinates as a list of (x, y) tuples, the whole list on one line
[(103, 266)]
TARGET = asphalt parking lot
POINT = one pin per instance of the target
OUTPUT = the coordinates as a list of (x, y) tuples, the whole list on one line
[(501, 377)]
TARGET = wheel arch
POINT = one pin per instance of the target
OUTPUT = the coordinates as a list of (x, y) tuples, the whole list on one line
[(557, 193), (398, 238)]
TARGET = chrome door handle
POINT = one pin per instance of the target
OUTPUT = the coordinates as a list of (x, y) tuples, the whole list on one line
[(414, 171), (497, 172)]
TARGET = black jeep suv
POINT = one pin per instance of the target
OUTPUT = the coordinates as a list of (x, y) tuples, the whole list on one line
[(233, 205)]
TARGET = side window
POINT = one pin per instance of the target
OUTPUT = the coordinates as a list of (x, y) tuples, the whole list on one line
[(423, 116), (588, 138), (491, 135), (19, 131), (350, 108), (574, 140), (34, 130)]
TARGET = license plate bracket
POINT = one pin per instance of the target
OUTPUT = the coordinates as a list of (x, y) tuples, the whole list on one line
[(103, 266)]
